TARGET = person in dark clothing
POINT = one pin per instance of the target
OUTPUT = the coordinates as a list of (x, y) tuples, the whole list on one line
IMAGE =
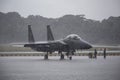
[(104, 53), (95, 54)]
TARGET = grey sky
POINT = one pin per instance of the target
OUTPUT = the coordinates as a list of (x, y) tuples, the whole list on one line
[(93, 9)]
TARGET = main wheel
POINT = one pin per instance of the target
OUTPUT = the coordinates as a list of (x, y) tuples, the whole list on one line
[(70, 57), (46, 56)]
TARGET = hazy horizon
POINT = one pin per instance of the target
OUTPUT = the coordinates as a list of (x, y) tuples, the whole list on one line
[(94, 9)]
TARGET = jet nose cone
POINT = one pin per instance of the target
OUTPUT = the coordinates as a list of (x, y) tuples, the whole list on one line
[(85, 45), (89, 46)]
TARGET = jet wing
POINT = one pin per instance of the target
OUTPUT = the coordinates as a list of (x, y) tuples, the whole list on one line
[(57, 42), (18, 44)]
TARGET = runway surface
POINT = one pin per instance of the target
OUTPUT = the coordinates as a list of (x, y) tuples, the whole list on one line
[(80, 68)]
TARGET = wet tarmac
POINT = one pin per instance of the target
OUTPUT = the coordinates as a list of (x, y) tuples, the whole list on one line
[(80, 68)]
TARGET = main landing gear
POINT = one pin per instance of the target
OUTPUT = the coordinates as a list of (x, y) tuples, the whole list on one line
[(46, 56), (69, 54)]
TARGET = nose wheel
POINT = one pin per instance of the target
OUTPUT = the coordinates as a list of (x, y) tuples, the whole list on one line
[(61, 56)]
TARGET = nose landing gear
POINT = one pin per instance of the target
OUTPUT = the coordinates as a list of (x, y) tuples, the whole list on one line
[(61, 56)]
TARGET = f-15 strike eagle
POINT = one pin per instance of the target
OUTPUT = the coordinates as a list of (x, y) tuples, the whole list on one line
[(69, 44)]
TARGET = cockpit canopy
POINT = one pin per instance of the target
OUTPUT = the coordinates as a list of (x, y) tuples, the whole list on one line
[(73, 37)]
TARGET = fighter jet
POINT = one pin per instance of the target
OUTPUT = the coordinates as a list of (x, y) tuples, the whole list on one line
[(69, 44)]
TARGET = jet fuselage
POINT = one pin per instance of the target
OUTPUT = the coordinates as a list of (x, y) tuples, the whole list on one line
[(71, 42)]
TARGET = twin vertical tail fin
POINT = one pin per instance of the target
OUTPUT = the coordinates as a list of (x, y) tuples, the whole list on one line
[(49, 34), (30, 35)]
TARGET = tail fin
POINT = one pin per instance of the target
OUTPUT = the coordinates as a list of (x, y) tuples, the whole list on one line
[(30, 35), (49, 34)]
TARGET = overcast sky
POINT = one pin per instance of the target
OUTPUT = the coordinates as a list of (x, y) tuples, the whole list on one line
[(93, 9)]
